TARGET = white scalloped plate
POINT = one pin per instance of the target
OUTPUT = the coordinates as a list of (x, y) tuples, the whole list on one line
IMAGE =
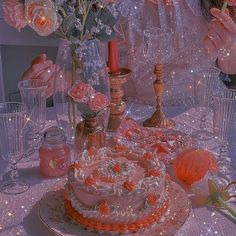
[(51, 213)]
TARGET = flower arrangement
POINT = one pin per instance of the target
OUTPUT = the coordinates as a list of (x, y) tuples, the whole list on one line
[(81, 24), (74, 20), (210, 192), (90, 102)]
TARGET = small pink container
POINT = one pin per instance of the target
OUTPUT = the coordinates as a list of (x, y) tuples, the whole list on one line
[(54, 154)]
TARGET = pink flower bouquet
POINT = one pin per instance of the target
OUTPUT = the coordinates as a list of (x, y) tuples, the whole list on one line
[(75, 21), (89, 102), (14, 14)]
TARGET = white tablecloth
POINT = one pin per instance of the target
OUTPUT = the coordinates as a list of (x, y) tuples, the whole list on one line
[(19, 213)]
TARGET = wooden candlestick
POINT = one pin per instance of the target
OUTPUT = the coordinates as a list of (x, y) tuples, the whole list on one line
[(159, 119), (117, 105)]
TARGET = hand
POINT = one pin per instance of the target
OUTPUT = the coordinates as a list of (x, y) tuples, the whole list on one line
[(221, 32), (221, 38), (231, 2), (42, 68)]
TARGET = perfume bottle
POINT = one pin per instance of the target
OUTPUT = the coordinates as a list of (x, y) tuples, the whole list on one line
[(54, 154)]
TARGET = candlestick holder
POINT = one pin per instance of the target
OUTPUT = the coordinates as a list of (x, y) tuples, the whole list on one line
[(117, 105), (159, 119)]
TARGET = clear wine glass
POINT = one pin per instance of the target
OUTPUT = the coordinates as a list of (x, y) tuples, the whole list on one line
[(158, 45), (12, 121), (206, 80), (34, 94), (224, 127)]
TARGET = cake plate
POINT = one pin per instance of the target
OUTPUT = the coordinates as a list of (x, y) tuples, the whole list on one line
[(53, 216)]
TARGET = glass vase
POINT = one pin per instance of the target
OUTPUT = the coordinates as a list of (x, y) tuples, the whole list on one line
[(90, 133), (78, 62)]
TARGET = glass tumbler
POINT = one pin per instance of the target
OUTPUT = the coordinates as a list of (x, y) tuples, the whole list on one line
[(12, 122), (224, 127), (206, 81), (34, 94)]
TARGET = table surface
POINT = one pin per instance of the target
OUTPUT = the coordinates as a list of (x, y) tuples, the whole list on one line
[(19, 213)]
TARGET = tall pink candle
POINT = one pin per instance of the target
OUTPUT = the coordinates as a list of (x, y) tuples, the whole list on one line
[(113, 62)]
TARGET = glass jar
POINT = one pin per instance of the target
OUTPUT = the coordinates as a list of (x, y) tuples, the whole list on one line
[(54, 154)]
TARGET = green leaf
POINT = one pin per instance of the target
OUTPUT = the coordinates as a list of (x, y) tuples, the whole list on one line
[(107, 18), (90, 20), (85, 110), (103, 36)]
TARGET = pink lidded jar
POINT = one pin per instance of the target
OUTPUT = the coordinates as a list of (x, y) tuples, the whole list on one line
[(54, 154)]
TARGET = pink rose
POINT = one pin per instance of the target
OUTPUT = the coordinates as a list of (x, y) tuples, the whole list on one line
[(98, 102), (42, 16), (14, 14), (81, 92)]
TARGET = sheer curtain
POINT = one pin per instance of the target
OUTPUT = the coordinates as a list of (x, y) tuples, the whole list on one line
[(182, 17)]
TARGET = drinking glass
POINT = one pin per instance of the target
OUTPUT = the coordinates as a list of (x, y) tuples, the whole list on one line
[(224, 127), (12, 121), (34, 94), (158, 45), (206, 80)]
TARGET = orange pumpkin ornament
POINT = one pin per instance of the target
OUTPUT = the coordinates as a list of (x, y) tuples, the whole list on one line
[(192, 165)]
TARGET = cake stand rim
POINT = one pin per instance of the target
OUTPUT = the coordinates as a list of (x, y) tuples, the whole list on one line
[(59, 190)]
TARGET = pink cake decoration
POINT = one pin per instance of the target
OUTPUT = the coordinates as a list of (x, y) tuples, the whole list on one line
[(112, 186)]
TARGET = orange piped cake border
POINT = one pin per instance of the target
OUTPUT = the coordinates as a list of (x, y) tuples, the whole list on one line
[(119, 228)]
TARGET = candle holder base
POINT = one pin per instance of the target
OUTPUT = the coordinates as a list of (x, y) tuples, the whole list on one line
[(159, 120), (114, 122), (117, 105)]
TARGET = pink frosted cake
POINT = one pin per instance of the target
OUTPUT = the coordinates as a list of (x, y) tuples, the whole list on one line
[(116, 191)]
